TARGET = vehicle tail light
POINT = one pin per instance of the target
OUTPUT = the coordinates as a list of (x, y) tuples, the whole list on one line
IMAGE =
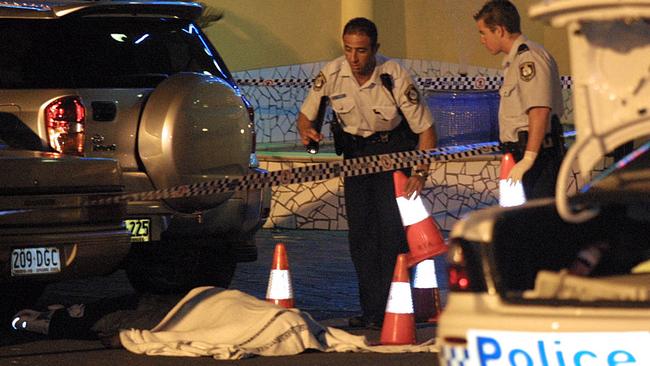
[(459, 279), (65, 120)]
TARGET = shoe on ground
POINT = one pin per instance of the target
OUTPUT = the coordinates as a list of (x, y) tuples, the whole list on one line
[(32, 321)]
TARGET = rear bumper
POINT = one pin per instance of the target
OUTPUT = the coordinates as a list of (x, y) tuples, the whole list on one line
[(83, 252), (237, 218), (231, 225)]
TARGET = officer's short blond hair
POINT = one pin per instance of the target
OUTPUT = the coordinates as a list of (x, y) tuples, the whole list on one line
[(496, 13)]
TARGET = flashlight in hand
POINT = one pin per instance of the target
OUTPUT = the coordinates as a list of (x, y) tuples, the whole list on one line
[(313, 146)]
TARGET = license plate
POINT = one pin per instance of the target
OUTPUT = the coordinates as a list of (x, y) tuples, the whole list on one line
[(32, 261), (491, 348), (140, 229)]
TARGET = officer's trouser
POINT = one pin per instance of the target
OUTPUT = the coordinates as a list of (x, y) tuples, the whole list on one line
[(376, 234), (540, 180)]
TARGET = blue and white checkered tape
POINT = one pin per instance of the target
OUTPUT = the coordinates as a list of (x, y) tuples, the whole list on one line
[(479, 82), (344, 168), (311, 173)]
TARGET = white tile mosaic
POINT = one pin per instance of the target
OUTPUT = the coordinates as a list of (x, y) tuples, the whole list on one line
[(453, 190)]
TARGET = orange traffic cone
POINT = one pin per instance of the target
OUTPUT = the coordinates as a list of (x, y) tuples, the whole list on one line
[(399, 323), (422, 234), (509, 194), (426, 294), (279, 290)]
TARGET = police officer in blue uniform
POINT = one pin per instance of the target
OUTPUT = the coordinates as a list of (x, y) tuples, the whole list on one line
[(531, 99), (381, 111)]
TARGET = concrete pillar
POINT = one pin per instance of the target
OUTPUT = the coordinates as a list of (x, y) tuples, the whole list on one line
[(356, 8)]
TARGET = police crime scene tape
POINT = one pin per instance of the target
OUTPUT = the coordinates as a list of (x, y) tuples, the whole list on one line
[(345, 168), (320, 171), (444, 83)]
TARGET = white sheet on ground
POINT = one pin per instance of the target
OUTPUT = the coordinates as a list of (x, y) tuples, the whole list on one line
[(230, 324)]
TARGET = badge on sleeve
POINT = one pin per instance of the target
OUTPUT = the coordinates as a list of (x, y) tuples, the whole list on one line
[(319, 81), (412, 94), (527, 71)]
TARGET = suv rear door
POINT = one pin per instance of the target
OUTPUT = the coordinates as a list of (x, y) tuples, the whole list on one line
[(114, 66), (118, 65)]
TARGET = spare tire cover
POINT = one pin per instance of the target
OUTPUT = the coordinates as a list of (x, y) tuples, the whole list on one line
[(194, 128)]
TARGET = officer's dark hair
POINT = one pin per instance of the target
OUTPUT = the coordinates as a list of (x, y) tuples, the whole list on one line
[(496, 13), (362, 26)]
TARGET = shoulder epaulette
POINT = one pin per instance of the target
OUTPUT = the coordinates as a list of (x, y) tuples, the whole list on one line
[(522, 48)]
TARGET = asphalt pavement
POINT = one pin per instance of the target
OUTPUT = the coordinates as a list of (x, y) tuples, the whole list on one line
[(323, 276)]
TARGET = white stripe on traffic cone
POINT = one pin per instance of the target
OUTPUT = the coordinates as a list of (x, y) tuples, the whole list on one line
[(422, 234), (279, 286), (411, 210), (279, 290), (426, 294), (399, 300), (399, 323)]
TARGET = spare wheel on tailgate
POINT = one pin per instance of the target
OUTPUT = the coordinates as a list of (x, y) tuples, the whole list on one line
[(194, 128)]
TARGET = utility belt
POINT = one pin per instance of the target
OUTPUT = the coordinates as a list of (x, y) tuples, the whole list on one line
[(380, 137), (553, 142), (348, 142), (519, 146)]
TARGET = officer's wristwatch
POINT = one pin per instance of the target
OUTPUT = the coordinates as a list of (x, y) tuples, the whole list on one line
[(420, 172)]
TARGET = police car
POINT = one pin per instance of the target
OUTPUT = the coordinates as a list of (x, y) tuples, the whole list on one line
[(566, 281), (528, 288)]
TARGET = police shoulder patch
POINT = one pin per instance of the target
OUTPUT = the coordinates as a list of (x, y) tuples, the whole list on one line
[(412, 94), (319, 81), (527, 71)]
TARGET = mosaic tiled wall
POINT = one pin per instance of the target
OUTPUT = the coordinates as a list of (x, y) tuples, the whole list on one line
[(277, 93), (453, 189)]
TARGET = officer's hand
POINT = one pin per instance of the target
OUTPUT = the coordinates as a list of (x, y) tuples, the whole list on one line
[(307, 131), (518, 171), (310, 134), (414, 186)]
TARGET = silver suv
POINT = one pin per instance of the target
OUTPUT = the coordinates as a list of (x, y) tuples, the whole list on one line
[(139, 82)]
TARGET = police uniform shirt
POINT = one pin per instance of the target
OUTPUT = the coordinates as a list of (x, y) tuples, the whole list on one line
[(531, 79), (369, 108)]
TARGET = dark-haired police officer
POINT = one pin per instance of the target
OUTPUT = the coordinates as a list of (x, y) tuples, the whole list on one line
[(531, 97), (370, 112)]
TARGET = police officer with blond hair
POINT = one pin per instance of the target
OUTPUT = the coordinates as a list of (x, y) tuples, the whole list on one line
[(381, 111), (531, 99)]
